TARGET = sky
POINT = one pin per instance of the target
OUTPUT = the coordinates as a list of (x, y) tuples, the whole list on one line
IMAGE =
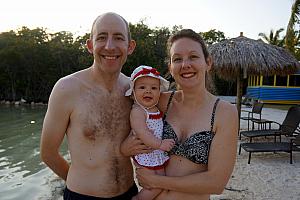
[(229, 16)]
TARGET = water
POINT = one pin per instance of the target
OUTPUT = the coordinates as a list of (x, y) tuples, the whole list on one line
[(22, 174)]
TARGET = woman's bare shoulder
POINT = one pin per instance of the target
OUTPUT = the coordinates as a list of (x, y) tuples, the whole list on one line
[(226, 116), (164, 99)]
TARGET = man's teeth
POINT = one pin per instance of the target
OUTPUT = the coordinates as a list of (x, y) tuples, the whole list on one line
[(110, 57)]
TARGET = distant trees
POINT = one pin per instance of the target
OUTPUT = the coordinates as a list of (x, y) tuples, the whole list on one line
[(32, 60), (291, 39), (292, 32), (273, 37)]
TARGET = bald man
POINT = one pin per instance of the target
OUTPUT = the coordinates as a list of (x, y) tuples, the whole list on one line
[(90, 108)]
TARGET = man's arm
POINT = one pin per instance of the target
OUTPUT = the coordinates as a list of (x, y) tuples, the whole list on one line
[(54, 128)]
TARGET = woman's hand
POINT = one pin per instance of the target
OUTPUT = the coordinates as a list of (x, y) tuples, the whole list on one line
[(167, 144), (145, 177), (132, 145)]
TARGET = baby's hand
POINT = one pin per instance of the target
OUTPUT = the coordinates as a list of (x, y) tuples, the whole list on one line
[(167, 144)]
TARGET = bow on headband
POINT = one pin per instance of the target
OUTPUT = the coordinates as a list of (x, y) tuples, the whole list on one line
[(145, 71)]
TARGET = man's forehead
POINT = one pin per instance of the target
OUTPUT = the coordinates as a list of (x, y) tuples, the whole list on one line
[(110, 23)]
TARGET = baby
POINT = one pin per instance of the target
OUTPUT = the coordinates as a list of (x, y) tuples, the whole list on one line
[(146, 122)]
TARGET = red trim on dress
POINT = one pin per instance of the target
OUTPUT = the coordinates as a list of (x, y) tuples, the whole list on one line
[(156, 116)]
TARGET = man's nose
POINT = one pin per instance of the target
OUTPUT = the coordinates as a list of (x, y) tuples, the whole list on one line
[(109, 43)]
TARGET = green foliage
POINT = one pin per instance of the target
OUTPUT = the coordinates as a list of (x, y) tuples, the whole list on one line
[(32, 60), (213, 36), (274, 37), (292, 32)]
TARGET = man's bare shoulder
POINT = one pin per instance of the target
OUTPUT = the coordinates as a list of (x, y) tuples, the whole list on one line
[(71, 82), (125, 79)]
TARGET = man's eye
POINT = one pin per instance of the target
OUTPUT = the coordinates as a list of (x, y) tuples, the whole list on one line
[(120, 38), (101, 38)]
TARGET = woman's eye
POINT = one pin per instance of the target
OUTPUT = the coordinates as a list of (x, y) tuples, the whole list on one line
[(194, 57), (176, 59)]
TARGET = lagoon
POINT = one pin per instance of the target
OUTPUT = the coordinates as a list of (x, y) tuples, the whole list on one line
[(22, 174)]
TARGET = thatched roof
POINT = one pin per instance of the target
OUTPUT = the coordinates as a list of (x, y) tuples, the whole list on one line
[(254, 56)]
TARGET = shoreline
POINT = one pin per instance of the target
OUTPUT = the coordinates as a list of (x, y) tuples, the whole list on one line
[(22, 102)]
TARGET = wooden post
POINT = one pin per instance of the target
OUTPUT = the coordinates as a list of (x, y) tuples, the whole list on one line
[(239, 92)]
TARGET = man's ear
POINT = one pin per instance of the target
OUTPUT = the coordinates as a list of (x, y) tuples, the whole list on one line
[(89, 45), (131, 46)]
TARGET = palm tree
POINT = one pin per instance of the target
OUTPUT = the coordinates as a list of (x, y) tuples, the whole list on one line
[(291, 34), (273, 38)]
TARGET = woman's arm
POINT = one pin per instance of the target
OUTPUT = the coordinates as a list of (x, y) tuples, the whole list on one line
[(221, 161)]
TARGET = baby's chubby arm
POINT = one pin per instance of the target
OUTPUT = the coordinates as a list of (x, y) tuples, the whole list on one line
[(139, 126)]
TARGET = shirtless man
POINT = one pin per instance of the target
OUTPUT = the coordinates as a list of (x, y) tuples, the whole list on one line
[(90, 108)]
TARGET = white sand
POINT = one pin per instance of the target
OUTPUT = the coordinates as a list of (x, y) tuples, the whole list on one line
[(268, 176)]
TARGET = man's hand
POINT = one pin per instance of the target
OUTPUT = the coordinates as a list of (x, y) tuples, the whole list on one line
[(132, 145)]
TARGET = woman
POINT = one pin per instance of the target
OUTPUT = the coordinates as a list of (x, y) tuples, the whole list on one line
[(203, 127)]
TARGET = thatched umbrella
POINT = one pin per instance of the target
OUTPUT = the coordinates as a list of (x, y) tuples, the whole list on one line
[(236, 58)]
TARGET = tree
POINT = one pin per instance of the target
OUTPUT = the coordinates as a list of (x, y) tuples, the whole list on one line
[(273, 38), (212, 36), (143, 53), (291, 32)]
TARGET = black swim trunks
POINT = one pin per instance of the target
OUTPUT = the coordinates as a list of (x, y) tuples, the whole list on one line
[(70, 195)]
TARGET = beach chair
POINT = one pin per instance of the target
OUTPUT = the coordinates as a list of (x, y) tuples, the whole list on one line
[(254, 114), (288, 147), (289, 128), (247, 101)]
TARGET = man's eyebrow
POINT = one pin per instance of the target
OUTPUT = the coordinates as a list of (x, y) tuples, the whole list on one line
[(102, 33), (115, 34), (119, 34)]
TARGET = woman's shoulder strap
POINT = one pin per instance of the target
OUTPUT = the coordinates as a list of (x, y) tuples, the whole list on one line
[(168, 105), (212, 121)]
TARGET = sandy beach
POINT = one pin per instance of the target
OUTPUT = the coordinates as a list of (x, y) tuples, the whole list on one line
[(269, 176)]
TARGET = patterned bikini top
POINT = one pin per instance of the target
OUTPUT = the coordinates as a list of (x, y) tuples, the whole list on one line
[(196, 147)]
